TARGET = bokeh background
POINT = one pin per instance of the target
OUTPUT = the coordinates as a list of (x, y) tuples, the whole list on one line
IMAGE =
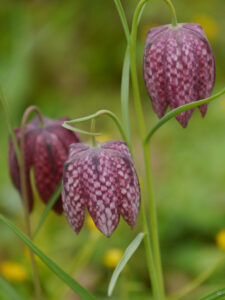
[(66, 57)]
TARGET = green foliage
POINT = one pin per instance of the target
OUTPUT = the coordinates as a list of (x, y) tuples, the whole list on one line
[(66, 57)]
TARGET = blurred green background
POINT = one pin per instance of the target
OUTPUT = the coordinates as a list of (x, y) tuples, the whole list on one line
[(66, 57)]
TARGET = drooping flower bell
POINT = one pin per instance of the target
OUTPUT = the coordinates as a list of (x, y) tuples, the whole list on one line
[(46, 150), (179, 67), (104, 180)]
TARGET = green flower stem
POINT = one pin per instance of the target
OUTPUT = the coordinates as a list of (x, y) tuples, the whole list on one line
[(125, 112), (123, 19), (99, 113), (93, 140), (24, 193), (77, 130), (179, 110), (9, 123), (152, 207), (125, 82), (197, 281), (173, 12), (149, 254)]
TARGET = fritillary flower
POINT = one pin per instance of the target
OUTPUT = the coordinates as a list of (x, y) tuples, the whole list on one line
[(46, 150), (179, 68), (104, 180)]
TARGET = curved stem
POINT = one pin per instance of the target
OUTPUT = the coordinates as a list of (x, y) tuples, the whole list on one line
[(179, 110), (99, 113), (173, 12), (122, 18), (77, 130), (197, 281), (9, 123), (25, 193), (159, 289)]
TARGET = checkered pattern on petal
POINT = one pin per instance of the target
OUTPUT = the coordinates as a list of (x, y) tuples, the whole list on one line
[(119, 146), (108, 185), (179, 67), (49, 157), (129, 190), (46, 148), (76, 148), (73, 193), (101, 187), (30, 138)]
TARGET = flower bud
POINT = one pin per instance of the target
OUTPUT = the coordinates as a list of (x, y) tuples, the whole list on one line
[(46, 150), (179, 68), (104, 180)]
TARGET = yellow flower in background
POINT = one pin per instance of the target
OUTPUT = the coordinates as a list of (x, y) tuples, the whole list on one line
[(112, 257), (13, 271), (220, 239), (104, 138), (91, 225), (209, 25)]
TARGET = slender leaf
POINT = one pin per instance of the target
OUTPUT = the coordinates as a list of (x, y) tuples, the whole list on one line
[(141, 12), (72, 283), (215, 295), (179, 110), (125, 94), (67, 126), (99, 113), (9, 289), (48, 207), (127, 255), (123, 18)]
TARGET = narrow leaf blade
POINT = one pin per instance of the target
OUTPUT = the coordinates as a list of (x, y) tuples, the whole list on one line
[(72, 283), (6, 286), (125, 94), (48, 208), (122, 18), (215, 295), (127, 255)]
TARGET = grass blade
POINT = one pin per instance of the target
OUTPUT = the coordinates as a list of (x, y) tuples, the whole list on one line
[(6, 286), (72, 283), (215, 295), (48, 207), (123, 18), (125, 95), (127, 255)]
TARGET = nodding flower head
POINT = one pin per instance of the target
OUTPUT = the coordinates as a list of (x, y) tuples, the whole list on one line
[(179, 67), (46, 150), (104, 180)]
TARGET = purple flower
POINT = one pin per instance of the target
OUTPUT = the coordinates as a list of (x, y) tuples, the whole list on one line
[(179, 67), (104, 179), (46, 150)]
